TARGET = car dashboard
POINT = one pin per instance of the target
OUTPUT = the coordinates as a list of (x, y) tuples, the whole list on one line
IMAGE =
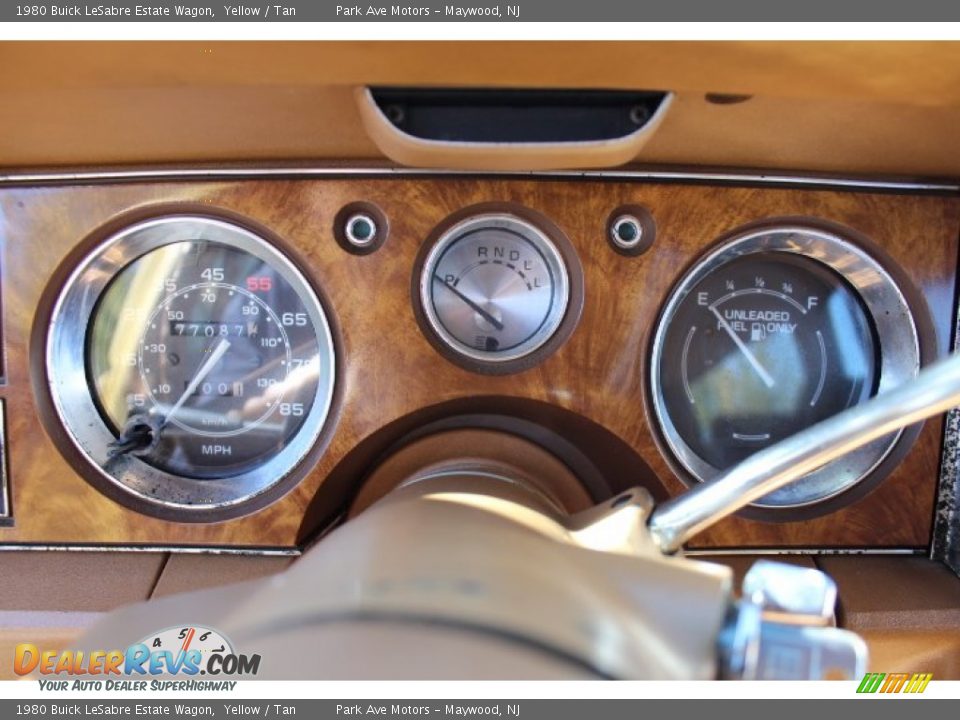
[(210, 365)]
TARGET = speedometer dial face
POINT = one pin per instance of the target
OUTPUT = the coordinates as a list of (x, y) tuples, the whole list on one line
[(208, 361), (214, 348), (767, 336), (494, 289)]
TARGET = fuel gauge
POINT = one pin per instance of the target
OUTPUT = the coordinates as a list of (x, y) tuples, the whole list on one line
[(761, 348), (776, 330)]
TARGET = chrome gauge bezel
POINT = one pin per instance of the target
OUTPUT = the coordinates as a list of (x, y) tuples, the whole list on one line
[(554, 260), (147, 487), (888, 310)]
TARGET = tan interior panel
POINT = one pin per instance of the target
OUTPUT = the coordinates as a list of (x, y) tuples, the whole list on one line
[(76, 581), (187, 572), (928, 651), (53, 597), (69, 126), (923, 73), (49, 630), (889, 592), (868, 107), (829, 135)]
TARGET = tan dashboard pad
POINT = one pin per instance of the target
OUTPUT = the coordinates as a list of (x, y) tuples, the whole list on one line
[(918, 594), (845, 107), (408, 150)]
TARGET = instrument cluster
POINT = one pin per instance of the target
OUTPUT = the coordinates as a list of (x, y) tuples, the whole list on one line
[(193, 360)]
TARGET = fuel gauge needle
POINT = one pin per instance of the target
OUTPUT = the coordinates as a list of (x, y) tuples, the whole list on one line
[(202, 373), (754, 363), (483, 313)]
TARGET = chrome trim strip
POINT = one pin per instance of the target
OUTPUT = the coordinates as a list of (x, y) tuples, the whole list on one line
[(711, 552), (176, 549), (296, 552), (233, 173)]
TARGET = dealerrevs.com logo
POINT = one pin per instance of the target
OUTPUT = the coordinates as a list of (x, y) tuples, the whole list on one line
[(188, 651)]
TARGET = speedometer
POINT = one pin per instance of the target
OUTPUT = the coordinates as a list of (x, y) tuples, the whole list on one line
[(191, 363)]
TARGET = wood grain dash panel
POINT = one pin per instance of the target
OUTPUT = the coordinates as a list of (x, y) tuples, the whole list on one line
[(390, 370)]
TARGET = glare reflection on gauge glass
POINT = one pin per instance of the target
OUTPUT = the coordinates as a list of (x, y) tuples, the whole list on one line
[(213, 347), (761, 348)]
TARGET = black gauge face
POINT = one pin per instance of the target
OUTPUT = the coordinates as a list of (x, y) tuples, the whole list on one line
[(771, 332), (192, 365), (763, 347), (214, 348)]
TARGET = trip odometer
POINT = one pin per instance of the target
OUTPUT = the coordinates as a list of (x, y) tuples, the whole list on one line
[(772, 332), (204, 354)]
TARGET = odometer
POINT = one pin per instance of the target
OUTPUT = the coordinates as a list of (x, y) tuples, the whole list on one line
[(206, 357)]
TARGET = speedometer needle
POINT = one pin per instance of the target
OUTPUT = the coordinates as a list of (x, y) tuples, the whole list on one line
[(754, 363), (483, 313), (202, 373)]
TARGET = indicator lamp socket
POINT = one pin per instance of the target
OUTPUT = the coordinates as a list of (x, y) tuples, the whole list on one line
[(626, 232), (360, 230), (631, 230)]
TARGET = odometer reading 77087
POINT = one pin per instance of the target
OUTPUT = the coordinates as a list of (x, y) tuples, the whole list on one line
[(211, 368)]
